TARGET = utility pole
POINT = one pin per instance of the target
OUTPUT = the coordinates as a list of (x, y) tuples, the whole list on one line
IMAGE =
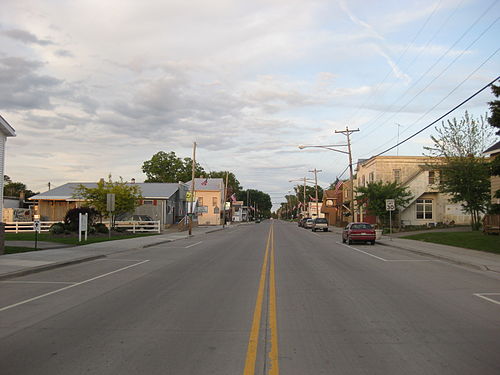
[(248, 205), (316, 188), (224, 202), (192, 189), (305, 192), (347, 132)]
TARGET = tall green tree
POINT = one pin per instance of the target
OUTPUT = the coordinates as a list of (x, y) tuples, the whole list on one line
[(375, 194), (257, 199), (167, 167), (14, 189), (463, 171), (127, 196), (310, 192), (494, 118)]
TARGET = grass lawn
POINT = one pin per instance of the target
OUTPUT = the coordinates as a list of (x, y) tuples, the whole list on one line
[(72, 239), (17, 249), (470, 240)]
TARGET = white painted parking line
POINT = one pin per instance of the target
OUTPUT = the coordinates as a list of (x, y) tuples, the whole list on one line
[(483, 296), (388, 260), (36, 282), (70, 286), (194, 244)]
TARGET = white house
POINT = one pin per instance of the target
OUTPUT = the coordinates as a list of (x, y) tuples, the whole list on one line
[(5, 131)]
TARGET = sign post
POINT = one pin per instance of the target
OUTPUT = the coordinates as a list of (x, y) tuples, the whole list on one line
[(82, 226), (390, 205), (110, 207), (37, 228)]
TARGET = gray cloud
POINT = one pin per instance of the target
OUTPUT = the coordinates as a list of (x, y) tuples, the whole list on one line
[(63, 53), (24, 36)]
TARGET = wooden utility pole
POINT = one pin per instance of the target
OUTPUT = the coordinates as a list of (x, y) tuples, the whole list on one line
[(316, 188), (305, 193), (347, 132), (192, 189), (224, 202), (248, 205)]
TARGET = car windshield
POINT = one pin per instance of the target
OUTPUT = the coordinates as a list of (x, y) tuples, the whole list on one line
[(361, 226)]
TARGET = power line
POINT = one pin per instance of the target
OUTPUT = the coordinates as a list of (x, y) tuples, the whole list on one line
[(373, 123), (442, 100), (440, 118)]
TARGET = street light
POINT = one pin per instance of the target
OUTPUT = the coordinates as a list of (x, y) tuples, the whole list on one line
[(326, 147)]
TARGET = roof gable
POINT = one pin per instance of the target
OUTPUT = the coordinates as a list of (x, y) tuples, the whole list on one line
[(6, 129)]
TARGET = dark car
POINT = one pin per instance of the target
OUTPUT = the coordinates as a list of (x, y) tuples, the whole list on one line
[(302, 221), (358, 232)]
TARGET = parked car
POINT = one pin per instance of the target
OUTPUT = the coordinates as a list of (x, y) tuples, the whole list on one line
[(320, 224), (358, 232), (302, 221), (308, 223)]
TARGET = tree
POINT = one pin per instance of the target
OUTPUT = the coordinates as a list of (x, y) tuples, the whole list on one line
[(14, 189), (167, 167), (233, 185), (310, 192), (258, 199), (463, 171), (375, 194), (127, 197), (494, 118)]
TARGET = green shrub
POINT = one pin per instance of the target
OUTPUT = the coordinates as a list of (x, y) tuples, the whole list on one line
[(101, 228), (71, 218), (57, 228)]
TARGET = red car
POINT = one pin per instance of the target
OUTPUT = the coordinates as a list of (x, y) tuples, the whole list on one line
[(358, 232)]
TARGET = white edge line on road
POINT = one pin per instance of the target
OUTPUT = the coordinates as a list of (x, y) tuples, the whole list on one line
[(70, 286), (194, 244), (37, 282), (361, 251), (482, 295)]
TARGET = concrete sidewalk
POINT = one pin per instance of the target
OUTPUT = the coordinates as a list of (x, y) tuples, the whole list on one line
[(466, 257), (12, 265)]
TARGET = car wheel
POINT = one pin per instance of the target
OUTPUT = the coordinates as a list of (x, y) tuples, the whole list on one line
[(325, 230), (349, 241), (373, 242), (343, 239)]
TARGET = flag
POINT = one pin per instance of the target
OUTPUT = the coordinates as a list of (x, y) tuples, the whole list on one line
[(313, 199), (338, 185), (233, 198), (204, 183)]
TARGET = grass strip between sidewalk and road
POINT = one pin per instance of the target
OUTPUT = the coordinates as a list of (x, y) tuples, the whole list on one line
[(72, 239), (468, 240), (18, 249)]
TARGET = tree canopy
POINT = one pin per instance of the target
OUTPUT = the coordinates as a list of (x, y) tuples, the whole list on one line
[(14, 189), (494, 118), (233, 185), (257, 199), (463, 171), (167, 167), (375, 194), (127, 197), (310, 192)]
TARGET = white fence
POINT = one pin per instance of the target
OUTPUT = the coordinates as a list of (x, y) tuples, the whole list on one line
[(138, 226), (26, 226)]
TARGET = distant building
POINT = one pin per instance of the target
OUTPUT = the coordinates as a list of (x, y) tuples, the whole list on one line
[(428, 205), (209, 194), (494, 152), (5, 131), (237, 213)]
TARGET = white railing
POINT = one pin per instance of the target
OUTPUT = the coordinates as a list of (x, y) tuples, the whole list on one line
[(26, 226), (138, 226)]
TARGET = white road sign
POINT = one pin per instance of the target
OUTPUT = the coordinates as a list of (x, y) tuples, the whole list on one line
[(390, 205), (37, 226)]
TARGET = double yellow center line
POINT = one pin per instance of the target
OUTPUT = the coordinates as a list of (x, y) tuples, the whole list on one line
[(253, 342)]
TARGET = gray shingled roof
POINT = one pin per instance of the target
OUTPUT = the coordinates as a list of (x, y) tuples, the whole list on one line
[(493, 149), (154, 190), (213, 184)]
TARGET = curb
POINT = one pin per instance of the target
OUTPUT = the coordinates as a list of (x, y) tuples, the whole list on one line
[(46, 267), (440, 257)]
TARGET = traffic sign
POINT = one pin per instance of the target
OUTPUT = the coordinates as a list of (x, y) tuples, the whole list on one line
[(37, 227), (110, 202), (390, 205)]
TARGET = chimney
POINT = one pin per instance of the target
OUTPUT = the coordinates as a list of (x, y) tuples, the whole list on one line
[(132, 181)]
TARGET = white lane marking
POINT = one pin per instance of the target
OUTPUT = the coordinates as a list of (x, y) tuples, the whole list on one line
[(482, 295), (361, 251), (122, 260), (388, 260), (37, 282), (70, 286), (194, 244)]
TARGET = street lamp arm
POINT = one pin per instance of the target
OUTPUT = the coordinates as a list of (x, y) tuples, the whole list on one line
[(326, 147)]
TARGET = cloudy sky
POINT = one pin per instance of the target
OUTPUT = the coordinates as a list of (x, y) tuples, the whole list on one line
[(96, 87)]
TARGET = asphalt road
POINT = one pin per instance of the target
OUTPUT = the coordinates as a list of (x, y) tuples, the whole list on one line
[(269, 298)]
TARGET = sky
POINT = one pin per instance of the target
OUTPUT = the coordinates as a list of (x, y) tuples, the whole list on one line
[(97, 87)]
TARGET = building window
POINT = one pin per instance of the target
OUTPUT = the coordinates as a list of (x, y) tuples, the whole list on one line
[(200, 201), (363, 181), (214, 201), (371, 177), (432, 177), (147, 202), (424, 208), (216, 210), (397, 175)]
